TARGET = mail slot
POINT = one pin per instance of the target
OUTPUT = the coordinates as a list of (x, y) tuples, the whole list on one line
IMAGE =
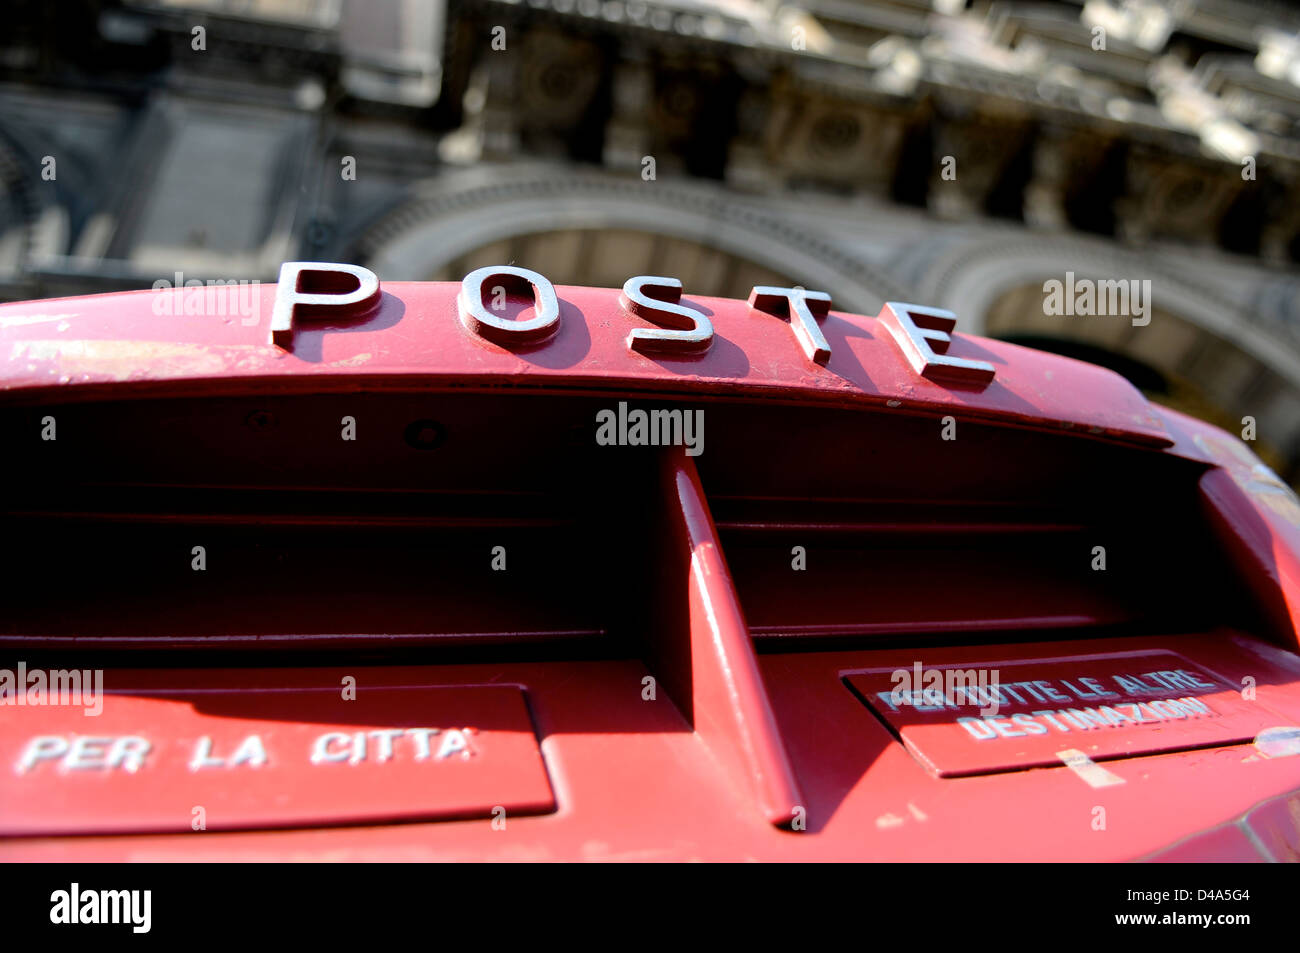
[(615, 581)]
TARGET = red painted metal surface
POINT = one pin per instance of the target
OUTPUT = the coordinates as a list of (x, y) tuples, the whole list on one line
[(1105, 706), (276, 757), (633, 781), (726, 689), (117, 344), (695, 691)]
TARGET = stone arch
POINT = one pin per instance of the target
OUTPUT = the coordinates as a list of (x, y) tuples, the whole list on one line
[(462, 217), (1212, 358)]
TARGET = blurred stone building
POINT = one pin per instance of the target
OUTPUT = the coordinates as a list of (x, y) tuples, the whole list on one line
[(937, 151)]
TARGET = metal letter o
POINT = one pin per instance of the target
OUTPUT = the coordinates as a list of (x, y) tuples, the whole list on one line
[(476, 317)]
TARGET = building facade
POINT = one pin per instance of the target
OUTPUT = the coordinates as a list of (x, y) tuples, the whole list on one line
[(996, 159)]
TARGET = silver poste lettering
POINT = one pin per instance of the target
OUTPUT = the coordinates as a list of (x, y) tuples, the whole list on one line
[(922, 334)]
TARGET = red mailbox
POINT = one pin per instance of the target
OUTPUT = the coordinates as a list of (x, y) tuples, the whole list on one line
[(503, 570)]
